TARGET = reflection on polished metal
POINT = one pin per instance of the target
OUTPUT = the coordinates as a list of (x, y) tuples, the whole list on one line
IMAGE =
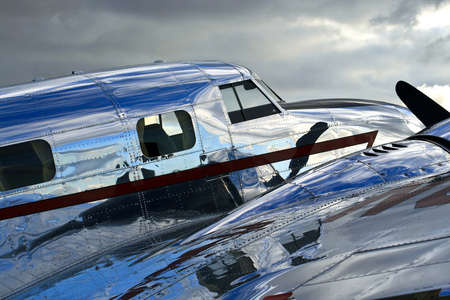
[(312, 238), (111, 205)]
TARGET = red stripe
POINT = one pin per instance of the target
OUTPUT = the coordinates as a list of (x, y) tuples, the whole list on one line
[(400, 195), (284, 296), (437, 198), (184, 176)]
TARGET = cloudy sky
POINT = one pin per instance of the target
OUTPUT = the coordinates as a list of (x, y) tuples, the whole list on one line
[(303, 49)]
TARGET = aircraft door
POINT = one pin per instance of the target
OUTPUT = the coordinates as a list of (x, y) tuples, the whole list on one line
[(170, 146), (217, 154)]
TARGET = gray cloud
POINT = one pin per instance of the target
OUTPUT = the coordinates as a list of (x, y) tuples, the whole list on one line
[(304, 50), (404, 13)]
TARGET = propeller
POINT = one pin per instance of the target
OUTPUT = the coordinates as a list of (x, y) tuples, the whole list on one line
[(422, 106)]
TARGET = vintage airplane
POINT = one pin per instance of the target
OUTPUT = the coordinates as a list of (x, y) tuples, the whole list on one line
[(102, 173)]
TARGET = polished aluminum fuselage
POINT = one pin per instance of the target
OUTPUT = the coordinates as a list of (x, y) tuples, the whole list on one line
[(102, 195)]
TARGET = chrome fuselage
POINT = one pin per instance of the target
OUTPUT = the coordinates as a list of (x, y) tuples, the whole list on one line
[(146, 151)]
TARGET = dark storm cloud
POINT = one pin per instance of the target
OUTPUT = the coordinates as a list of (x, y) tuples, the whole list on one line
[(304, 49)]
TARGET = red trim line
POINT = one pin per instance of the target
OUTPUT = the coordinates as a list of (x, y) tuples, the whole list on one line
[(438, 198), (400, 195), (184, 176), (284, 296)]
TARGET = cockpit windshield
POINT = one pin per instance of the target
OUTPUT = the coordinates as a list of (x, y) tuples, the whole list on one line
[(269, 91), (267, 88)]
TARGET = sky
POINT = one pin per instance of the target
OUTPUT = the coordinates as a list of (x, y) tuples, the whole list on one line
[(302, 49)]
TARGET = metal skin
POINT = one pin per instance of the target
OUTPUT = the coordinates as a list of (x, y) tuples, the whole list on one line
[(109, 209), (371, 225)]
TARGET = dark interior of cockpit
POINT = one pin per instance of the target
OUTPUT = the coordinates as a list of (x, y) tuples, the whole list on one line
[(166, 133)]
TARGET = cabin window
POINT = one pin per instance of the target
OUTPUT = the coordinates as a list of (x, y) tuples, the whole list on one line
[(166, 133), (244, 101), (26, 164)]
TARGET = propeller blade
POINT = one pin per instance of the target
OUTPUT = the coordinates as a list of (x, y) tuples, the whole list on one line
[(422, 106)]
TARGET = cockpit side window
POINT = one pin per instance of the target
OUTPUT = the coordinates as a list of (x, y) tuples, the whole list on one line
[(244, 101), (26, 164), (166, 133)]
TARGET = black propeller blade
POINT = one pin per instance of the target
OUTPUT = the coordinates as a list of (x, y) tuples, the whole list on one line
[(422, 106)]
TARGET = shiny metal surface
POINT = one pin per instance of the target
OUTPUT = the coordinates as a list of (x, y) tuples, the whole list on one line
[(437, 130), (317, 246), (364, 170), (220, 73), (90, 122)]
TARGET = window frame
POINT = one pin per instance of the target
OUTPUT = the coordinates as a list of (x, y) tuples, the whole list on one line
[(163, 144), (249, 113)]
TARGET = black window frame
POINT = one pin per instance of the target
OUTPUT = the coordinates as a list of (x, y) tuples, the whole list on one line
[(251, 113)]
